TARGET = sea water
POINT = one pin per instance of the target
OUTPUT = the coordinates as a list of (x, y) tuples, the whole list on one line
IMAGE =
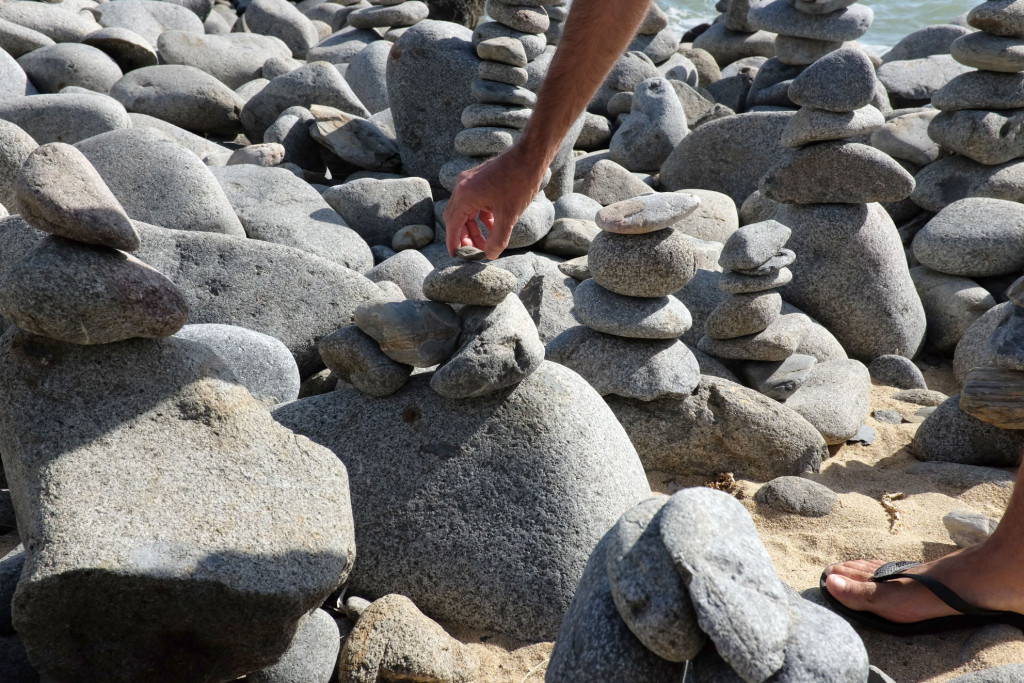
[(893, 18)]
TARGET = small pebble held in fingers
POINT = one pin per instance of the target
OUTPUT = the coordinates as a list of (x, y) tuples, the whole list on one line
[(470, 254), (647, 213)]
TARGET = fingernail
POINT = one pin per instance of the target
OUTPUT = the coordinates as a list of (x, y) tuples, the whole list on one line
[(839, 582)]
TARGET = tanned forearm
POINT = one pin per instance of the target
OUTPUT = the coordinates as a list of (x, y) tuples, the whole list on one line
[(596, 34)]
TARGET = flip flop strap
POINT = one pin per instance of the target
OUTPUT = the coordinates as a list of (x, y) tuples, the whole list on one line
[(897, 570)]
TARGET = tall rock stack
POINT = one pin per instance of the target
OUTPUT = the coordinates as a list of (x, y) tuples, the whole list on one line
[(981, 111), (748, 324), (732, 37), (852, 274), (807, 31), (629, 342)]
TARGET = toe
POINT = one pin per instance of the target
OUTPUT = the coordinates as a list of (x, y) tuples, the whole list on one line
[(858, 570), (855, 594)]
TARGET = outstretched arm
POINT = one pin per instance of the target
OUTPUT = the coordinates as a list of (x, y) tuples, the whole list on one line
[(596, 34)]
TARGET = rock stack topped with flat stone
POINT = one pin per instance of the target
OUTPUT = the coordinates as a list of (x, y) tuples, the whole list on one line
[(384, 14), (732, 37), (981, 111), (748, 324), (77, 284), (807, 30), (852, 274), (662, 589), (629, 342)]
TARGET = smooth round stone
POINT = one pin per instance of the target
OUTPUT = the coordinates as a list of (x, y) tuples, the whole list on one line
[(819, 125), (503, 73), (753, 245), (990, 53), (504, 116), (840, 81), (85, 294), (485, 141), (623, 316), (281, 19), (797, 496), (525, 18), (897, 371), (533, 224), (569, 237), (55, 67), (778, 341), (58, 191), (849, 23), (17, 40), (417, 333), (404, 14), (735, 283), (836, 173), (784, 258), (533, 44), (803, 51), (503, 50), (412, 237), (56, 23), (493, 92), (988, 137), (905, 137), (999, 18), (575, 205), (183, 95), (470, 254), (743, 314), (981, 90), (974, 237), (357, 358), (472, 283), (124, 46), (642, 369), (955, 177), (651, 265), (647, 213)]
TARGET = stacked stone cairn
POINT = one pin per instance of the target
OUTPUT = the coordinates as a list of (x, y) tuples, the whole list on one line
[(385, 14), (828, 188), (981, 111), (661, 597), (491, 344), (628, 344), (78, 285), (807, 31), (748, 324), (732, 37)]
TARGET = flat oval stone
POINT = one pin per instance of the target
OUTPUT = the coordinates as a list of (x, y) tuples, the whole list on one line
[(525, 18), (797, 496), (503, 73), (647, 213), (493, 92), (533, 44), (470, 254), (995, 396), (623, 316), (650, 265), (402, 14), (981, 90), (734, 283), (743, 314), (988, 137), (55, 67), (848, 23), (988, 52), (502, 49), (569, 237), (124, 46), (778, 341), (784, 258), (836, 173), (973, 237), (819, 125), (417, 333), (485, 141), (85, 294), (642, 369), (841, 81), (803, 51), (357, 358), (17, 40), (957, 177), (753, 245), (476, 284), (58, 191), (999, 18)]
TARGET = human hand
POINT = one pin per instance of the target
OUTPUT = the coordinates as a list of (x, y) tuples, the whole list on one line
[(498, 191)]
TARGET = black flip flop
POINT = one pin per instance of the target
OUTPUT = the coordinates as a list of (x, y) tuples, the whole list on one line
[(970, 617)]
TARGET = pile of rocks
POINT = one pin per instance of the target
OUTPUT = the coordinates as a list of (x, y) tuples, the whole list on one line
[(732, 37), (629, 342), (807, 30), (852, 275), (388, 15), (662, 589)]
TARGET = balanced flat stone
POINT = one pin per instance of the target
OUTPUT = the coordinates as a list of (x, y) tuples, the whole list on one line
[(973, 237), (981, 90), (503, 73), (803, 51), (647, 213), (841, 81), (649, 265), (358, 360), (417, 333), (819, 125), (476, 284), (624, 316), (85, 294), (736, 283), (780, 16), (956, 177), (988, 52), (504, 115), (642, 369), (503, 50), (753, 245), (778, 341), (526, 17), (988, 137), (743, 314), (784, 258), (58, 191), (836, 173), (999, 18)]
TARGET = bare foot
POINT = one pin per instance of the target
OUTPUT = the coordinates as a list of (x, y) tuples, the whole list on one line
[(980, 575)]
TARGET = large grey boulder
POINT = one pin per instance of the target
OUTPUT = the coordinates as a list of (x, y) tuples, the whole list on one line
[(149, 18), (957, 177), (233, 59), (183, 95), (973, 237), (835, 398), (158, 181), (263, 364), (728, 155), (431, 57), (64, 117), (55, 67), (194, 563), (951, 435), (722, 427), (558, 467), (377, 209), (851, 275), (275, 206), (281, 19)]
